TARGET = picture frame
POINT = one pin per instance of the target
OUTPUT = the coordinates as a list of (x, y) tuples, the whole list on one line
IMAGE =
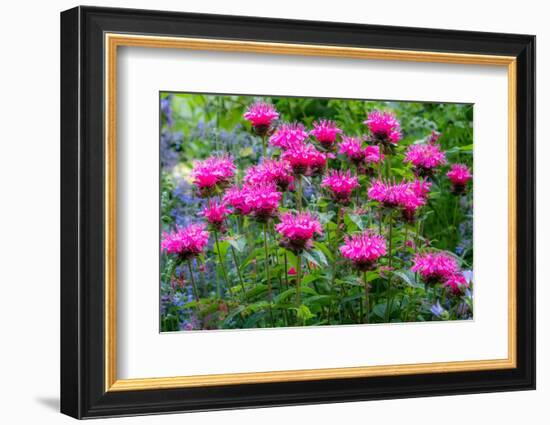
[(90, 41)]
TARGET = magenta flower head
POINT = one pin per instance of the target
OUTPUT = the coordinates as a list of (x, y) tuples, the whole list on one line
[(384, 128), (215, 213), (425, 158), (325, 131), (340, 185), (373, 155), (387, 193), (270, 171), (298, 230), (351, 147), (288, 135), (186, 242), (213, 174), (459, 175), (262, 200), (304, 159), (435, 267), (235, 197), (363, 249), (456, 283), (413, 197), (261, 115)]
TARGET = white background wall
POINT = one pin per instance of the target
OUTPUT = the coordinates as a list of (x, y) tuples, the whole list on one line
[(29, 212)]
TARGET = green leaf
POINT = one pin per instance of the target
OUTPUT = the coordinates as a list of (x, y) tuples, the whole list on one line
[(408, 278), (321, 246), (310, 257), (234, 313), (304, 313), (238, 242), (355, 219)]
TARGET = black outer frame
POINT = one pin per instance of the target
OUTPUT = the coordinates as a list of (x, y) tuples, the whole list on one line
[(82, 206)]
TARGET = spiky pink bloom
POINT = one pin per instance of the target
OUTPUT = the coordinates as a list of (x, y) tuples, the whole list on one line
[(435, 267), (425, 157), (409, 196), (270, 171), (213, 172), (387, 193), (363, 249), (288, 135), (234, 197), (304, 159), (341, 185), (352, 148), (297, 230), (384, 127), (459, 175), (413, 197), (215, 213), (456, 283), (186, 242), (261, 115), (262, 200), (325, 131), (373, 155)]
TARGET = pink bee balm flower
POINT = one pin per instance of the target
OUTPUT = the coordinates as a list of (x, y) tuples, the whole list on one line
[(215, 213), (425, 157), (325, 131), (211, 173), (288, 135), (373, 154), (270, 171), (262, 200), (384, 127), (388, 194), (297, 230), (305, 159), (456, 283), (187, 242), (261, 115), (459, 175), (435, 267), (291, 271), (413, 197), (236, 198), (341, 185), (351, 147), (363, 249)]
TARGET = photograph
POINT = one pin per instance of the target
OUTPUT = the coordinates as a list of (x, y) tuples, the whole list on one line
[(290, 211)]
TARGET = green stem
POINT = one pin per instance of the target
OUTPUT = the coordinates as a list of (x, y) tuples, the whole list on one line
[(264, 147), (390, 218), (299, 192), (298, 279), (358, 190), (388, 302), (286, 269), (222, 266), (268, 277), (367, 301), (195, 291), (234, 255)]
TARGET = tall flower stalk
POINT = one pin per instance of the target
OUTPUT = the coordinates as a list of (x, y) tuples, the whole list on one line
[(222, 265), (268, 277)]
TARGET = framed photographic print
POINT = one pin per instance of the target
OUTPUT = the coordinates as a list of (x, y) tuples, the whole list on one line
[(261, 212)]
